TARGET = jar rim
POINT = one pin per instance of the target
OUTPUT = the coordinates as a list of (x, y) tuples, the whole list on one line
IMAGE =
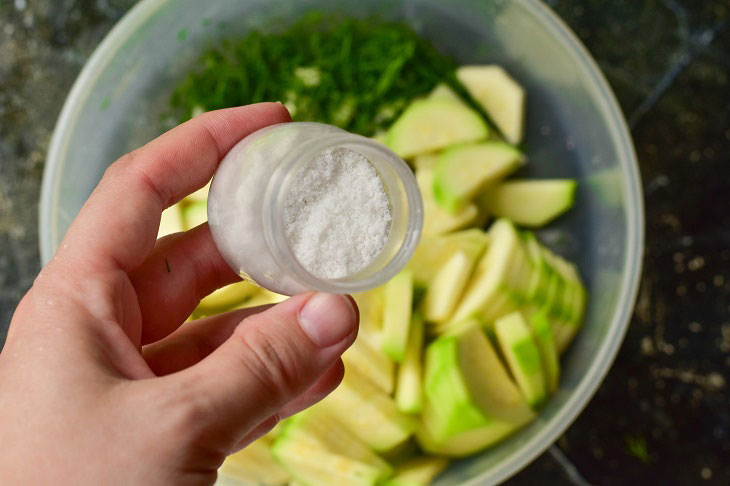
[(273, 207)]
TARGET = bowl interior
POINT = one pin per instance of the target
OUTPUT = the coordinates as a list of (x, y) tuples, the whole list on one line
[(574, 129)]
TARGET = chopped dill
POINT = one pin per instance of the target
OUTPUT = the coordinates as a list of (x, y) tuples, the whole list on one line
[(358, 74)]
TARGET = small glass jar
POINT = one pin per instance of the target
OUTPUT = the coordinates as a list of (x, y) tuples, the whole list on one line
[(246, 204)]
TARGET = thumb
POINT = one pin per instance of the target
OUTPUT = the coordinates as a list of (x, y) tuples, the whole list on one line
[(270, 359)]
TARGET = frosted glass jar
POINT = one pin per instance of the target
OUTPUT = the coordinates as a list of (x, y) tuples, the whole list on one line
[(246, 204)]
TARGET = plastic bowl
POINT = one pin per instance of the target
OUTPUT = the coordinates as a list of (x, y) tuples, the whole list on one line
[(574, 129)]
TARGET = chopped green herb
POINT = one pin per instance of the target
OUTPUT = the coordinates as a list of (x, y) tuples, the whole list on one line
[(358, 74)]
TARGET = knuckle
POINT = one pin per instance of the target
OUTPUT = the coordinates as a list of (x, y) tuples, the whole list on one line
[(119, 166), (131, 169), (276, 365)]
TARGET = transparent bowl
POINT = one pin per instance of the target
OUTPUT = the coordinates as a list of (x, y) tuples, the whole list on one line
[(574, 129)]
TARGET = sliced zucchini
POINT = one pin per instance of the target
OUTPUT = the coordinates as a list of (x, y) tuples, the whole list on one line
[(543, 335), (565, 268), (444, 91), (466, 443), (521, 273), (262, 297), (398, 301), (436, 220), (554, 295), (465, 381), (255, 465), (171, 221), (564, 331), (541, 273), (372, 363), (426, 162), (522, 355), (194, 214), (315, 450), (564, 334), (500, 96), (572, 309), (555, 286), (465, 170), (368, 413), (370, 305), (467, 390), (409, 389), (564, 305), (227, 297), (433, 251), (201, 195), (380, 137), (576, 305), (419, 471), (432, 124), (500, 273), (447, 286), (530, 202)]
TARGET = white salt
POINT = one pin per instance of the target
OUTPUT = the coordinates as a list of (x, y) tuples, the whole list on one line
[(336, 214)]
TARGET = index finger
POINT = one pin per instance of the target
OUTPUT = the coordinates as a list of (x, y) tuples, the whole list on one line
[(117, 226)]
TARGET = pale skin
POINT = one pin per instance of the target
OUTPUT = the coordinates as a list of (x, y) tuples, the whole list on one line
[(100, 381)]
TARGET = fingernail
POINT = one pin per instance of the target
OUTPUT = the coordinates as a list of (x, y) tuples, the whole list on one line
[(327, 319)]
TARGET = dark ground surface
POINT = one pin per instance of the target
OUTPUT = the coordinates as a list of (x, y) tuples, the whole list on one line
[(662, 416)]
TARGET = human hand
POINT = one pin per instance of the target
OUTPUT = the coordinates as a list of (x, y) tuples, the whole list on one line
[(99, 381)]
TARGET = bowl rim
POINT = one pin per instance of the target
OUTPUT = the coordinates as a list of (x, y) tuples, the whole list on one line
[(634, 241), (618, 131), (71, 111)]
